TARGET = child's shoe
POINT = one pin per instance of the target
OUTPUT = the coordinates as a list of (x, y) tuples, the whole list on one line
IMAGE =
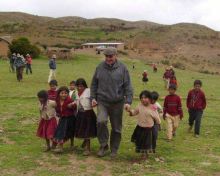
[(196, 136)]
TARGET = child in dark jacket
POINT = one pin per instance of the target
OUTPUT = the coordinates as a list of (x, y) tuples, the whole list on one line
[(172, 111), (65, 111), (52, 92), (196, 103)]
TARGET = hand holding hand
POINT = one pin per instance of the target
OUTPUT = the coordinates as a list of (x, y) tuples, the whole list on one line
[(127, 107), (94, 103)]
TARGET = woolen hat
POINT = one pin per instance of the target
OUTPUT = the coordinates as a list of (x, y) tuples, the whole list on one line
[(110, 51)]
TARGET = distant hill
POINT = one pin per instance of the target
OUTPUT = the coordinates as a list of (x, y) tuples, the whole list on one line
[(182, 44)]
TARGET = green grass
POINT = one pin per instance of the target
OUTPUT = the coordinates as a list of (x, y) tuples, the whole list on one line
[(21, 151)]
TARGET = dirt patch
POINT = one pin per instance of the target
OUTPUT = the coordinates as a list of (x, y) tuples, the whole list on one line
[(7, 141)]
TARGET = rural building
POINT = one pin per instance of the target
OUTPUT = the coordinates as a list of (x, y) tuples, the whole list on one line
[(61, 53), (4, 46), (119, 46)]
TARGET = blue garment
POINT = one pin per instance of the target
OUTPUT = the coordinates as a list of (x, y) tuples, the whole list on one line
[(52, 64), (19, 62)]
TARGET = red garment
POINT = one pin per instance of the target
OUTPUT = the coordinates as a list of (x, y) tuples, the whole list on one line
[(144, 75), (47, 128), (173, 105), (64, 110), (167, 75), (196, 100), (52, 94), (29, 60), (173, 81)]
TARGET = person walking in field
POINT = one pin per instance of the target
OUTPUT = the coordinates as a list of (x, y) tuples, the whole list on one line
[(73, 92), (147, 117), (65, 108), (172, 112), (173, 80), (53, 67), (19, 65), (48, 123), (12, 62), (196, 103), (145, 77), (86, 118), (166, 78), (28, 63), (111, 90), (52, 92), (154, 67), (158, 108)]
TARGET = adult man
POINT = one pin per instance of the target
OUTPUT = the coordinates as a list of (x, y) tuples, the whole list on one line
[(110, 91), (19, 65), (12, 61), (52, 66)]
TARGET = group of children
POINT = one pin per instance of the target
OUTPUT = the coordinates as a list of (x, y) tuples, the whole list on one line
[(169, 77), (67, 113), (149, 114)]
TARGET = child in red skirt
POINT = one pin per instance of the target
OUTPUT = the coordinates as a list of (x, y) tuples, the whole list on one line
[(65, 112), (86, 117), (48, 123), (52, 92), (146, 116)]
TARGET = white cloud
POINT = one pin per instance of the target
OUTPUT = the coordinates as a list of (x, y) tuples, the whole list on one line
[(161, 11)]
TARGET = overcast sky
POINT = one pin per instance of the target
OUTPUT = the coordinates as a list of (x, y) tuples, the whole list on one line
[(204, 12)]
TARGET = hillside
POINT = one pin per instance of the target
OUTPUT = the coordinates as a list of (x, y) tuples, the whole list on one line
[(182, 44)]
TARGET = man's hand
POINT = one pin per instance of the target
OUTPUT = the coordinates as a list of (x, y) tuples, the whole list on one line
[(127, 107), (94, 103)]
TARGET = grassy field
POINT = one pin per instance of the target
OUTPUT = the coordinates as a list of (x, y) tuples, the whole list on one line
[(21, 151)]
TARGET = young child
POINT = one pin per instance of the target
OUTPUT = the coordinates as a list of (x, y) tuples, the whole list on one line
[(154, 67), (86, 117), (157, 107), (65, 111), (172, 111), (145, 77), (145, 121), (173, 80), (48, 123), (73, 91), (196, 103), (52, 92)]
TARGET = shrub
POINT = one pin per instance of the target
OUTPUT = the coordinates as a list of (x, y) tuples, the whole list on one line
[(23, 46)]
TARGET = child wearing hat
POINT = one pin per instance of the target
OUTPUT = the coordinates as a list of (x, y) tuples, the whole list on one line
[(196, 103), (173, 112)]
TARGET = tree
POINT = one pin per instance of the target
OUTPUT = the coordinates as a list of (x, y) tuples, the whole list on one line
[(23, 46)]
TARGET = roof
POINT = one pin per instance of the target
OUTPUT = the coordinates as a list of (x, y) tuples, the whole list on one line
[(113, 43), (7, 39)]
